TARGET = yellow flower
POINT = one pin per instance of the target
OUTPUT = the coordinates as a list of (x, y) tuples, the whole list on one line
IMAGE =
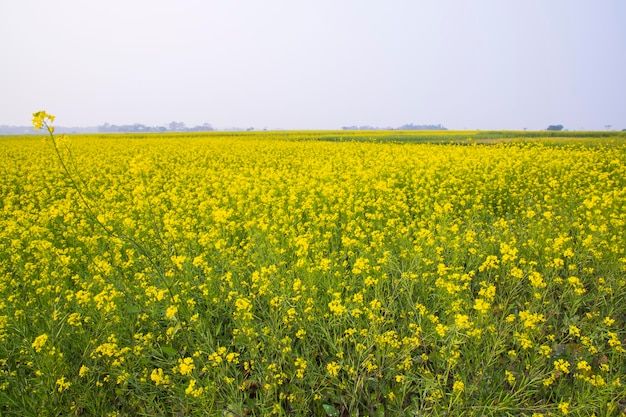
[(75, 319), (41, 118), (215, 358), (562, 365), (171, 311), (39, 342), (510, 377), (186, 366), (458, 386), (530, 320), (83, 371), (159, 378), (441, 329), (545, 350), (333, 368), (536, 280), (301, 364), (63, 384), (232, 358), (491, 262), (481, 305), (462, 321), (336, 307), (615, 342), (573, 330), (179, 261), (524, 340), (191, 390)]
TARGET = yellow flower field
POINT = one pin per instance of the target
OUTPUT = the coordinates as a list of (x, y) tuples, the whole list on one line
[(235, 274)]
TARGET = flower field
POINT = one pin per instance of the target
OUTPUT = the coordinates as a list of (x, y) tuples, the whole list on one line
[(275, 273)]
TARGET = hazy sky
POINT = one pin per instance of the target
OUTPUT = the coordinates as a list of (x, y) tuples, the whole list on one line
[(323, 64)]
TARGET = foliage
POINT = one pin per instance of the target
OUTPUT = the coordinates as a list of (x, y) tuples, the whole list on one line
[(256, 274)]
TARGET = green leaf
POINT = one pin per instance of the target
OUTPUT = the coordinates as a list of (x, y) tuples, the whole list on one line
[(330, 410), (169, 351)]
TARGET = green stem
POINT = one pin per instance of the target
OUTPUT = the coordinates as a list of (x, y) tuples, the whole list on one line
[(109, 231)]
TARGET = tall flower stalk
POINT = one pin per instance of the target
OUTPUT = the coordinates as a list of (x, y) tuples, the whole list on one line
[(42, 119)]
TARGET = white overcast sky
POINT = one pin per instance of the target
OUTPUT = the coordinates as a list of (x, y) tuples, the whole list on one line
[(323, 64)]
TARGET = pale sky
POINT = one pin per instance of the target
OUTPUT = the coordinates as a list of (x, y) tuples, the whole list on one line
[(323, 64)]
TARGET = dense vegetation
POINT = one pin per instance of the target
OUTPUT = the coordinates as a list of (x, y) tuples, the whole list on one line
[(313, 273)]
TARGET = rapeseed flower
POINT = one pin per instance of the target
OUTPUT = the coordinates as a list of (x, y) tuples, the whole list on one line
[(192, 390), (42, 118), (171, 311), (185, 366), (40, 342), (159, 378), (63, 384), (333, 368)]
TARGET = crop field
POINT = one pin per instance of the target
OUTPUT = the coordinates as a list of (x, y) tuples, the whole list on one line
[(312, 273)]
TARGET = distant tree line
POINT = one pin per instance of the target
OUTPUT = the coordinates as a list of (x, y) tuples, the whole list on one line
[(139, 128), (409, 126), (16, 130)]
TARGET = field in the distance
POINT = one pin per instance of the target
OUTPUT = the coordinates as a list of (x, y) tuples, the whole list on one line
[(314, 273)]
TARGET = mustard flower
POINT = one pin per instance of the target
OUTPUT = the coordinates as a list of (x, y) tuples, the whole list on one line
[(39, 342), (185, 366), (63, 384), (333, 368)]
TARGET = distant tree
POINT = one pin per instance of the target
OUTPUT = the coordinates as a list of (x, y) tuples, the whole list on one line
[(107, 127), (412, 126), (177, 127), (555, 127), (205, 127), (137, 127), (409, 126)]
